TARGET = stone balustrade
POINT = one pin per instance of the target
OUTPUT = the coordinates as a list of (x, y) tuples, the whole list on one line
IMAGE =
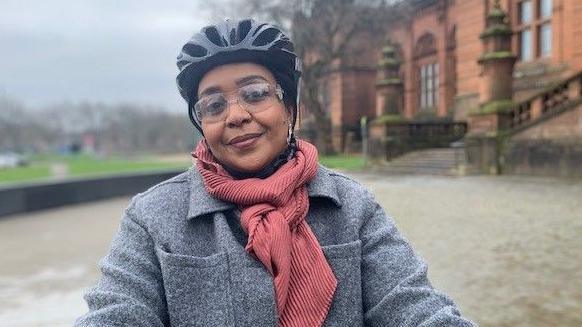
[(547, 103)]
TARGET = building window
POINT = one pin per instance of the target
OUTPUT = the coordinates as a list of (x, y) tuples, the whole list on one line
[(545, 8), (545, 29), (545, 40), (429, 86), (534, 29), (525, 53), (525, 12)]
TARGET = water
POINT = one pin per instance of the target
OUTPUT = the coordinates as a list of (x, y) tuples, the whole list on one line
[(49, 259), (507, 249)]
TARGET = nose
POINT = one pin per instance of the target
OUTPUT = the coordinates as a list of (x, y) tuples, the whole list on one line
[(236, 114)]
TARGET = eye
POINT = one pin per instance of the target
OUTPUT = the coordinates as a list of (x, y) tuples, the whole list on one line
[(210, 106), (255, 93), (215, 107)]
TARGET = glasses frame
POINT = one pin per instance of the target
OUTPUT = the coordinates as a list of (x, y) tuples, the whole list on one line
[(278, 93)]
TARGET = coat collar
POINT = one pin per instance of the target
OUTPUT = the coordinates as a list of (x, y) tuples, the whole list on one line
[(201, 203)]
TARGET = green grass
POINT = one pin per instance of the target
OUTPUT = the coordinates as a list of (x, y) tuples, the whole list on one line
[(343, 162), (24, 174), (83, 165)]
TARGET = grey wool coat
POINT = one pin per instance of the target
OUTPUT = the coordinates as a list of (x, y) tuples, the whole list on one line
[(178, 259)]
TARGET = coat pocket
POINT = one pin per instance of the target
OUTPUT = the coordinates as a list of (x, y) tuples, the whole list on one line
[(253, 294), (345, 261), (197, 289)]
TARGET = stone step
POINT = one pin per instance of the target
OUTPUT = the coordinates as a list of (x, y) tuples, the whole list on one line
[(431, 159), (439, 161), (412, 171), (422, 165), (433, 154)]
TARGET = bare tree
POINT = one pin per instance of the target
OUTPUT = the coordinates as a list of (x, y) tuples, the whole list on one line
[(22, 129), (122, 129), (323, 32)]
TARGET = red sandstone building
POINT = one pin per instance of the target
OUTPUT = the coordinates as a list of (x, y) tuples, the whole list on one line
[(438, 49)]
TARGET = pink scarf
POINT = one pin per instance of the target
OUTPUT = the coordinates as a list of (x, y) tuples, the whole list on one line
[(273, 216)]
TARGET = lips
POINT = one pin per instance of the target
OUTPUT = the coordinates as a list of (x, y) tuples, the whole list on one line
[(243, 138)]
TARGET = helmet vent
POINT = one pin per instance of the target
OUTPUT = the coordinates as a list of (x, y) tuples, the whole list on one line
[(182, 63), (244, 28), (287, 45), (213, 35), (232, 36), (195, 50), (266, 37)]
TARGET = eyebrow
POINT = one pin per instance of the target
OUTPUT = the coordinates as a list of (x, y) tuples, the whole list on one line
[(250, 78), (240, 82)]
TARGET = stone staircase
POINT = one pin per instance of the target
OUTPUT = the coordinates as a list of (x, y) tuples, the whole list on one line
[(436, 161)]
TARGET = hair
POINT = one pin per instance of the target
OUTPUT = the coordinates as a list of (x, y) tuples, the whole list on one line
[(289, 91)]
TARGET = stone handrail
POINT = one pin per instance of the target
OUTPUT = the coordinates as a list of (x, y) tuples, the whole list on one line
[(547, 103)]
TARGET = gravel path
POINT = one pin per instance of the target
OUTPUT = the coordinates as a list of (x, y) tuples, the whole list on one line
[(507, 249)]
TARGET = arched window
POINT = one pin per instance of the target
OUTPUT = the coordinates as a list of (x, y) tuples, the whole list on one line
[(425, 46), (425, 53)]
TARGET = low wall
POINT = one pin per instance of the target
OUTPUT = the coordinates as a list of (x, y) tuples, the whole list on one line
[(560, 157), (551, 147), (32, 197)]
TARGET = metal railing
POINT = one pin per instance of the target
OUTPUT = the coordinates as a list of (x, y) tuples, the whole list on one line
[(428, 134)]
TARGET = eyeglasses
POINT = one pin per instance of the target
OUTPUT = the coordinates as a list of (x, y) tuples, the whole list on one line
[(253, 98)]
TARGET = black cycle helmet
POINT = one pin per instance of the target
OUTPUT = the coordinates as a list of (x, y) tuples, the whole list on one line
[(238, 41)]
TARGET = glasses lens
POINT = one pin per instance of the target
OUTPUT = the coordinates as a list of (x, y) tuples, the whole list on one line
[(253, 97), (257, 97), (211, 107)]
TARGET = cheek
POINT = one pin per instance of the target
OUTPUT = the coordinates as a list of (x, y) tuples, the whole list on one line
[(213, 135), (278, 131), (277, 121)]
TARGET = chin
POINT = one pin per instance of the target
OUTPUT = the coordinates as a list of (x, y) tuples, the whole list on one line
[(251, 162), (249, 168)]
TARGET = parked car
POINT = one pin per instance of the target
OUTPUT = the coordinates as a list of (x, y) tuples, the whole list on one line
[(11, 160)]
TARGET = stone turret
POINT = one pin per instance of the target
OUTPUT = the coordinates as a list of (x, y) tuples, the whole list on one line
[(497, 62), (389, 87), (389, 102), (487, 122)]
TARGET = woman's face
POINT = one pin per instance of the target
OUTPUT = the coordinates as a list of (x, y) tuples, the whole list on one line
[(244, 141)]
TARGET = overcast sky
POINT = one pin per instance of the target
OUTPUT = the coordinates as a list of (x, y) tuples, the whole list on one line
[(95, 50)]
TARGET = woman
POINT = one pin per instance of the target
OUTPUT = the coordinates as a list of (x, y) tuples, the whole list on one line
[(258, 234)]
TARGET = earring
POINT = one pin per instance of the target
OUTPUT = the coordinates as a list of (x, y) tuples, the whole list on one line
[(289, 133)]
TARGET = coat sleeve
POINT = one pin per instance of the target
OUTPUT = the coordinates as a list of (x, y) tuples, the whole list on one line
[(130, 291), (395, 287)]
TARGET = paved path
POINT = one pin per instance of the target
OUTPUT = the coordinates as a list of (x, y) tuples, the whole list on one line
[(508, 250)]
